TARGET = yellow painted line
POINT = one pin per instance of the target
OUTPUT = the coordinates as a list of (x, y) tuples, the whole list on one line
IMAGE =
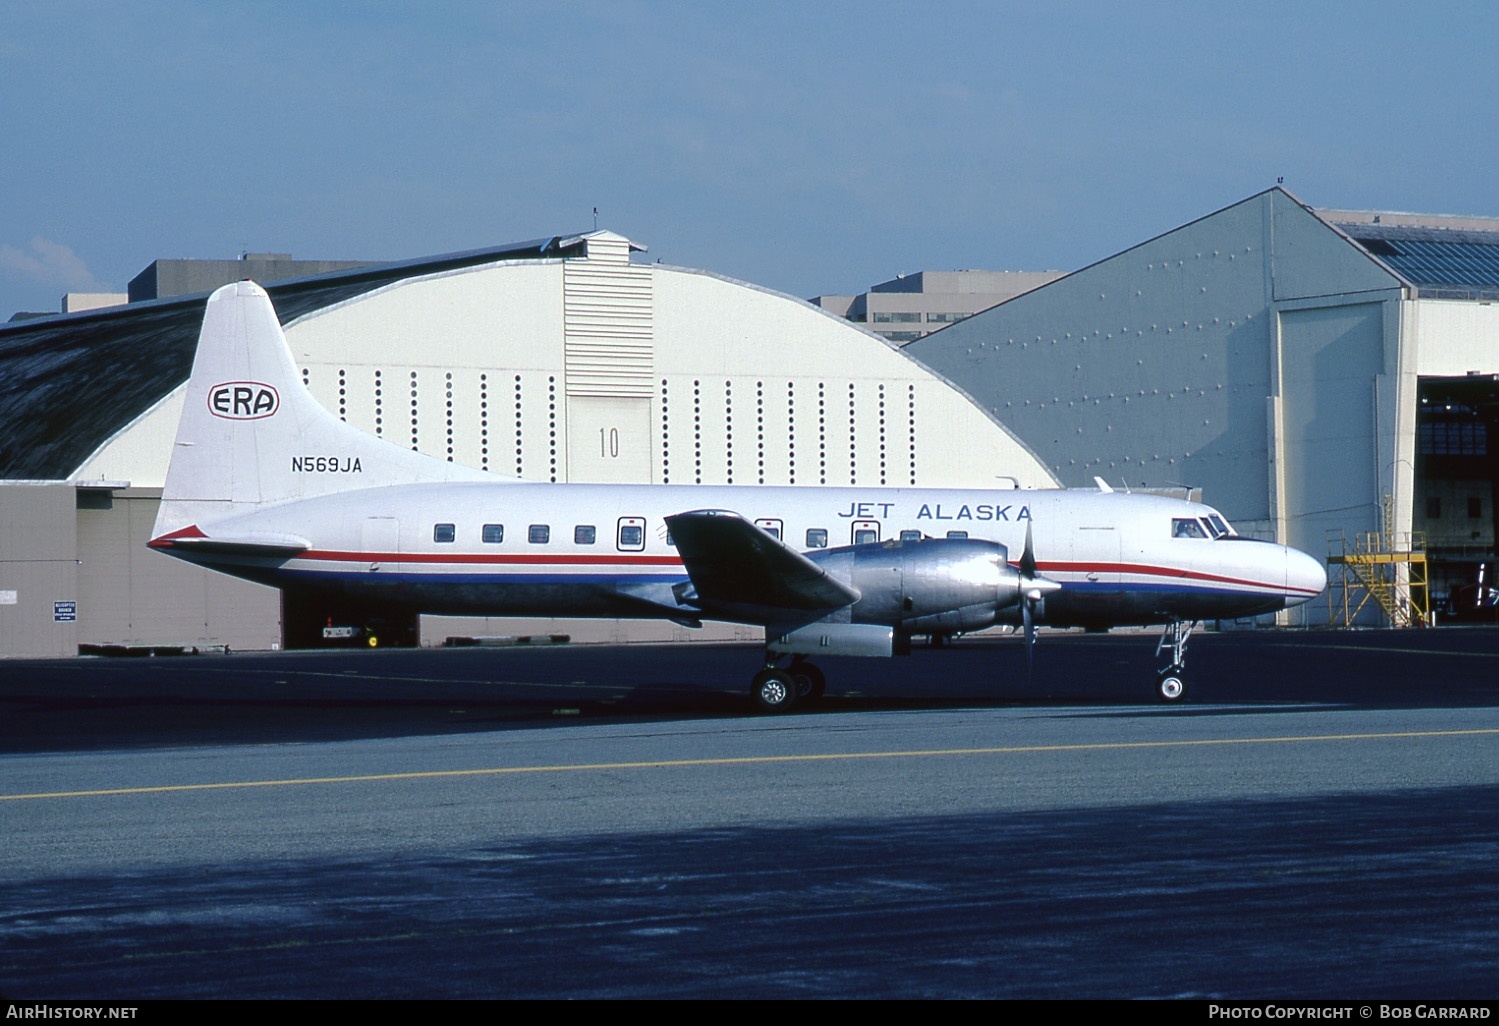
[(745, 760), (1380, 650)]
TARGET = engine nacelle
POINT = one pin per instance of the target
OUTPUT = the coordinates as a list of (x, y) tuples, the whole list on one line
[(934, 585), (834, 639)]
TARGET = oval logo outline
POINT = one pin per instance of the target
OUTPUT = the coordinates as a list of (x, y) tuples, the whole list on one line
[(243, 400)]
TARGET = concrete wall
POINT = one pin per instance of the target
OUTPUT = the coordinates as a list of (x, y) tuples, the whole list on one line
[(38, 571), (135, 596), (165, 278), (1448, 338), (75, 570)]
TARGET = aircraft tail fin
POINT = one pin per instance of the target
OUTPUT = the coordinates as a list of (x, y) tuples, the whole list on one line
[(251, 434)]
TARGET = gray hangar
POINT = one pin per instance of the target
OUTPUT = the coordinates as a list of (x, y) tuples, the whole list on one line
[(1321, 375)]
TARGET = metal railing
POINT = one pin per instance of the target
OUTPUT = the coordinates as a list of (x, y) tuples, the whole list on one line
[(1384, 568)]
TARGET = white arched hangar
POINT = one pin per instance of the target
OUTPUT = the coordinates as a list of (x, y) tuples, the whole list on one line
[(588, 367)]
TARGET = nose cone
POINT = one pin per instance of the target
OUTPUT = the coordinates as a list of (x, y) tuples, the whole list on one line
[(1305, 577)]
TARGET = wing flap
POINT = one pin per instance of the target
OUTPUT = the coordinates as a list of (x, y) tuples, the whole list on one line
[(734, 564)]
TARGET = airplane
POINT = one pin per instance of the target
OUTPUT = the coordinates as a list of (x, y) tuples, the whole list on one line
[(266, 484)]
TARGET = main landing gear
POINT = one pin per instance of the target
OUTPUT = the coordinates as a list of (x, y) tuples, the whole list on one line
[(777, 691), (1171, 683)]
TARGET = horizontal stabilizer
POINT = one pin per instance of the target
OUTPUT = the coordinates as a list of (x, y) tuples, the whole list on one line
[(734, 563), (191, 539)]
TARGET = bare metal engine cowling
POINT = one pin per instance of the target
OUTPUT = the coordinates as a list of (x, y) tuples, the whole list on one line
[(934, 585)]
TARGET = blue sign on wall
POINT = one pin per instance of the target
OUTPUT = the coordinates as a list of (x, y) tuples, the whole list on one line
[(64, 612)]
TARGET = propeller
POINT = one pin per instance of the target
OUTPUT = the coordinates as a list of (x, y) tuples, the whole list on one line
[(1033, 589)]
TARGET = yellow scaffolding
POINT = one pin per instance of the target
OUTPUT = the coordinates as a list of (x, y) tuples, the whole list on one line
[(1385, 567)]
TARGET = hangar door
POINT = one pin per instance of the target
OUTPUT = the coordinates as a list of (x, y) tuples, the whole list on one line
[(1331, 358)]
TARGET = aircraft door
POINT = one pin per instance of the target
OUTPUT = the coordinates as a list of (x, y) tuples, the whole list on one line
[(1098, 551), (1097, 593), (864, 532), (380, 541)]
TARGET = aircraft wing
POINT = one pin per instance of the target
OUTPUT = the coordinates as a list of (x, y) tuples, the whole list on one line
[(734, 564)]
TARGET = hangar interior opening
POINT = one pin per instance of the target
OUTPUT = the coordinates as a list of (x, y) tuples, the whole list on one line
[(1457, 481)]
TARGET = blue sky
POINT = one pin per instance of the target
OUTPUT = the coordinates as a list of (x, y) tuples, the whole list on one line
[(811, 147)]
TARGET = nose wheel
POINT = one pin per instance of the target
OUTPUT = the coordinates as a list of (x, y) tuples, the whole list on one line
[(1171, 685), (1171, 682)]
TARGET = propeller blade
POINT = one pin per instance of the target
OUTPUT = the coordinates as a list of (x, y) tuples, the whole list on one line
[(1028, 556), (1027, 603), (1030, 637), (1033, 589)]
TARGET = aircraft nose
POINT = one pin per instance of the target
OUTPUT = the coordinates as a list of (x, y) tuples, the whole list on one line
[(1305, 577)]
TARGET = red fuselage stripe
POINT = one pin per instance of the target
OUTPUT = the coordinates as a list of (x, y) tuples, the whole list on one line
[(1157, 571), (672, 562)]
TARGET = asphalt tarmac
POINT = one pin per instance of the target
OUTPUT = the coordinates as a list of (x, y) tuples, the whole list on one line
[(1318, 821)]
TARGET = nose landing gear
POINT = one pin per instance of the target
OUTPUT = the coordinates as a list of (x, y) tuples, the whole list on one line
[(1171, 682)]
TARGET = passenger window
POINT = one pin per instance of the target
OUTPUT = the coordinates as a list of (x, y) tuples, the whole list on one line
[(494, 534), (866, 536), (1184, 528), (909, 535), (584, 534), (630, 534), (770, 527), (817, 537), (539, 534), (443, 533), (959, 535)]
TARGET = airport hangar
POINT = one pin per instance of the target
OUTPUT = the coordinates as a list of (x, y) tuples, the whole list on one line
[(1319, 374), (554, 360)]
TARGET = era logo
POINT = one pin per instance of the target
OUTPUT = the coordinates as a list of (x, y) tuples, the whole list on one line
[(243, 400)]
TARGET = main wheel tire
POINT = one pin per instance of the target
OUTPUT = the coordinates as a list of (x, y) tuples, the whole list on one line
[(774, 691), (810, 683), (1171, 685)]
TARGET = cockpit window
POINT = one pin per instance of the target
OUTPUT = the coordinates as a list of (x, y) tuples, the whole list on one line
[(1219, 526), (1181, 527)]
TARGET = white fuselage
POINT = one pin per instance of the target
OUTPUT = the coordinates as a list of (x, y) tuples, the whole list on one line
[(604, 550)]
